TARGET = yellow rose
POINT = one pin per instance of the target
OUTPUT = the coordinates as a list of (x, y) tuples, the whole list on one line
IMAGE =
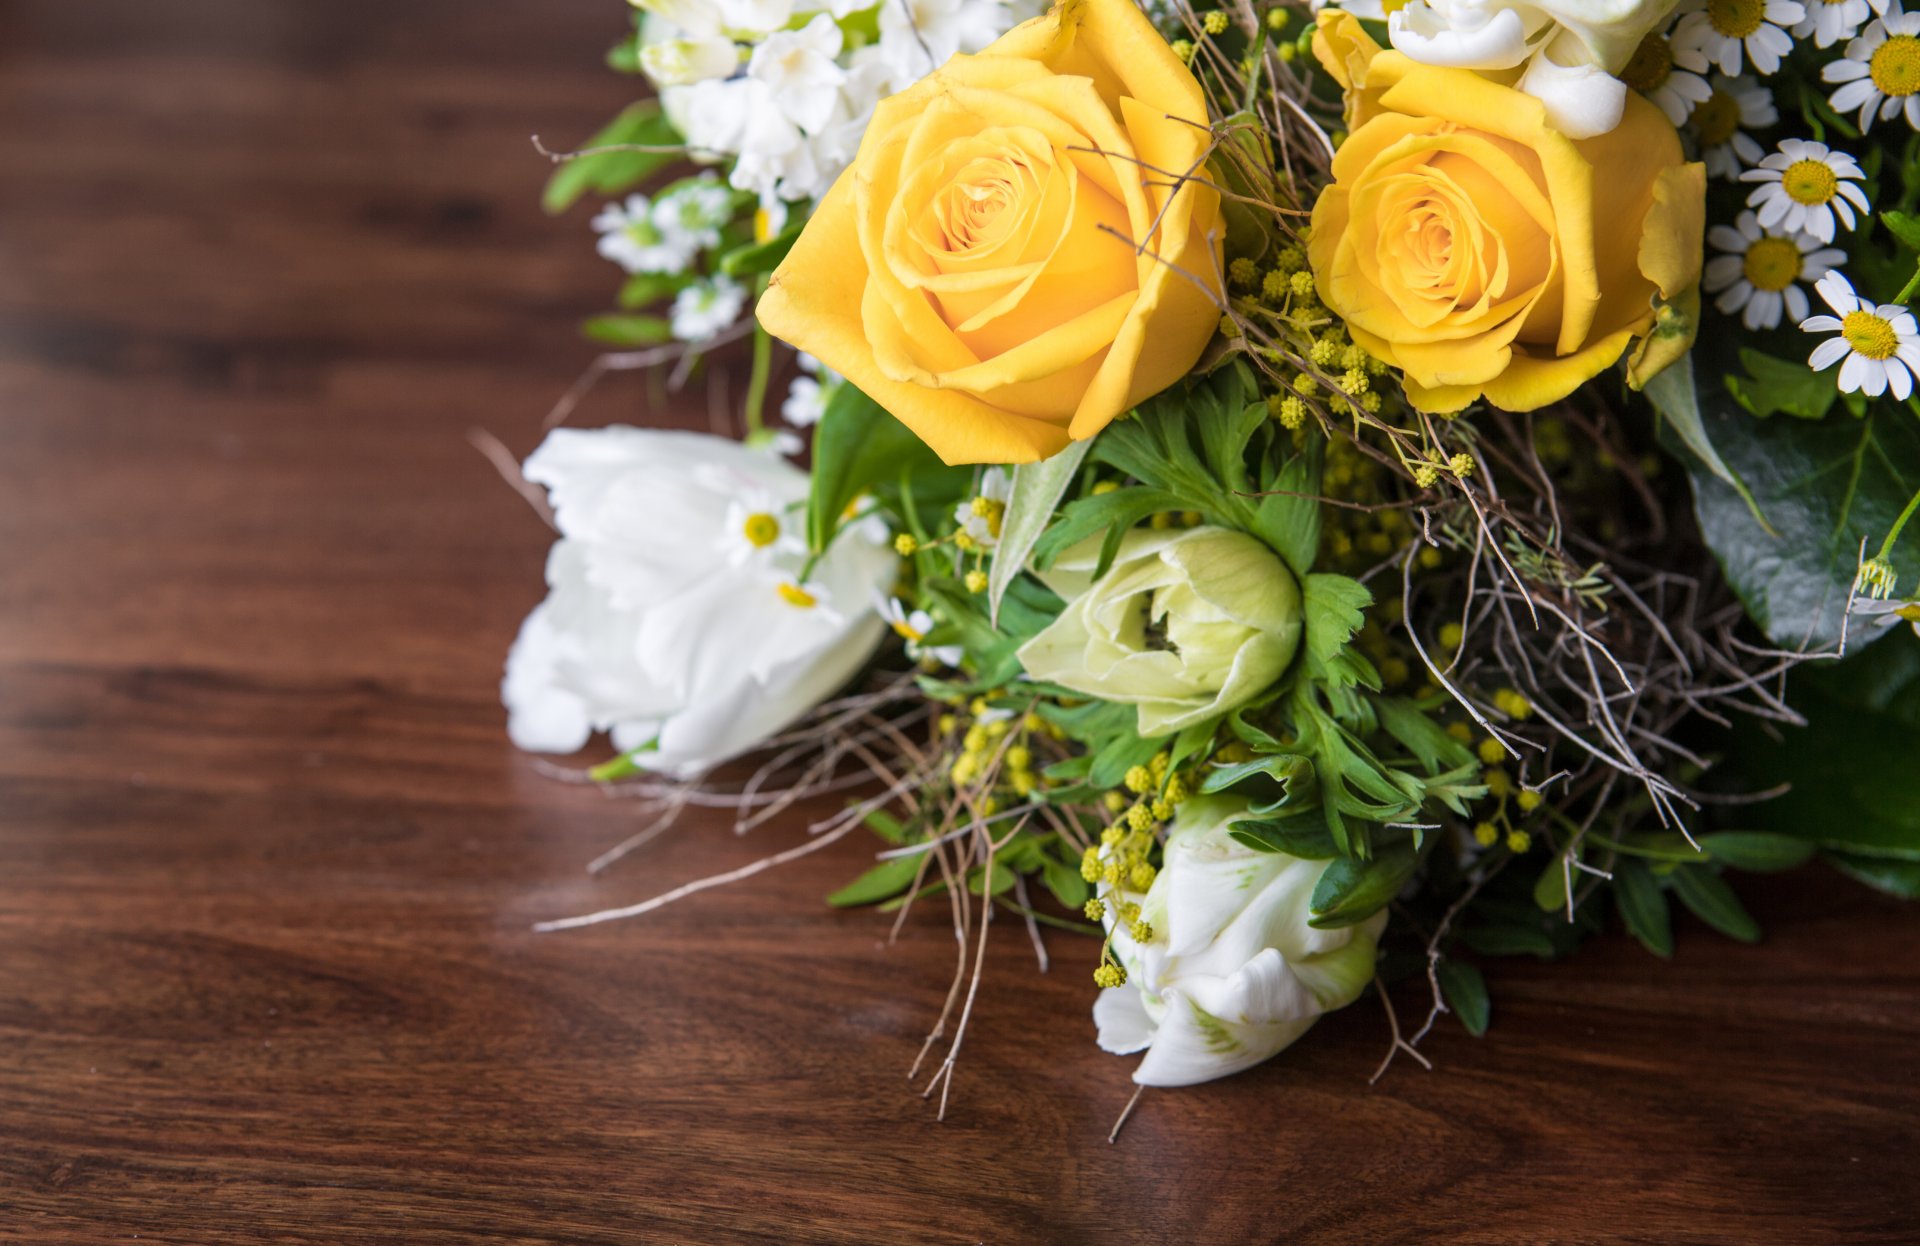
[(974, 270), (1483, 253)]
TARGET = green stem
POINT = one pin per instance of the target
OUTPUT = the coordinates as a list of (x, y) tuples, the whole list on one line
[(1886, 546), (762, 373), (1906, 291)]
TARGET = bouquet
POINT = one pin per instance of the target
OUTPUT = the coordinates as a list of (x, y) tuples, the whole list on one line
[(1298, 499)]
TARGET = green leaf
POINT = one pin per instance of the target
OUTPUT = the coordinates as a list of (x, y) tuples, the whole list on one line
[(1466, 993), (1066, 884), (1673, 395), (1713, 902), (1550, 889), (1758, 852), (1037, 490), (856, 447), (759, 257), (1778, 385), (1643, 906), (643, 288), (611, 172), (883, 881), (625, 330), (1352, 890), (1508, 939), (1898, 878), (1903, 225), (1304, 836), (1826, 486), (1333, 608)]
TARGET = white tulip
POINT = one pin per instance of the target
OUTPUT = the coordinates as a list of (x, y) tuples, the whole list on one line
[(1232, 973), (1571, 48), (675, 618)]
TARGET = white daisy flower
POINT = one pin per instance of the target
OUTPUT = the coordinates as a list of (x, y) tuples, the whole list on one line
[(1830, 21), (912, 626), (1880, 73), (1721, 122), (1883, 615), (630, 238), (1671, 77), (706, 307), (1722, 30), (1804, 185), (694, 212), (757, 529), (1759, 270), (980, 517), (1881, 345), (806, 402)]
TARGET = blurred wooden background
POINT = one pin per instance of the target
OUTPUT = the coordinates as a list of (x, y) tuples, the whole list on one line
[(267, 863)]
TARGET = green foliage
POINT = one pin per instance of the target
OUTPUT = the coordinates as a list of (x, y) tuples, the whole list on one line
[(1786, 387), (626, 330), (1713, 902), (882, 882), (1465, 991), (1037, 490), (750, 259), (1642, 906), (615, 171), (859, 448), (1354, 889)]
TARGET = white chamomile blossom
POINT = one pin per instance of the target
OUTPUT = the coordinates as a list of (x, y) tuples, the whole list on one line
[(630, 237), (980, 516), (1724, 30), (912, 626), (1882, 616), (1880, 344), (1804, 185), (806, 402), (1721, 122), (1760, 270), (1830, 21), (759, 528), (695, 211), (1880, 73), (1673, 78), (706, 307)]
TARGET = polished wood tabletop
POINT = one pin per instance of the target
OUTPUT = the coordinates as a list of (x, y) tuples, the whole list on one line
[(268, 865)]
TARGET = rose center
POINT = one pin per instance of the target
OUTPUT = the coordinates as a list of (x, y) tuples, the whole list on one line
[(1809, 182), (1895, 66), (1869, 335), (1651, 64), (1717, 119), (1772, 263), (761, 529), (1736, 19)]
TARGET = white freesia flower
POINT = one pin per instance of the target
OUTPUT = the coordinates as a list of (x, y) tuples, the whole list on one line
[(1804, 185), (800, 72), (706, 307), (1232, 973), (652, 631), (1880, 345), (1186, 624), (1761, 270), (1571, 48)]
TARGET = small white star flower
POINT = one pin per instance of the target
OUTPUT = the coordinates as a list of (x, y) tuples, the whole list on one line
[(1880, 73), (1830, 21), (1720, 125), (758, 529), (980, 517), (706, 307), (631, 238), (1725, 30), (1672, 78), (1880, 345), (694, 212), (1760, 270), (1804, 185)]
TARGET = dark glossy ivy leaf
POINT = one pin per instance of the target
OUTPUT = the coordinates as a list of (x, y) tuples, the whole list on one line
[(1787, 387), (1465, 990)]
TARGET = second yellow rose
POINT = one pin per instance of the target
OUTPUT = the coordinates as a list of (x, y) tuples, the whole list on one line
[(975, 270)]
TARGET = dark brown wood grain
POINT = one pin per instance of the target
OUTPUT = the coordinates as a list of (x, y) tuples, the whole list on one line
[(268, 865)]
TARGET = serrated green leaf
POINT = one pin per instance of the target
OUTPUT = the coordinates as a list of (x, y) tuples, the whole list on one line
[(1465, 990), (1642, 906), (1778, 386), (882, 882), (1036, 492), (1713, 902)]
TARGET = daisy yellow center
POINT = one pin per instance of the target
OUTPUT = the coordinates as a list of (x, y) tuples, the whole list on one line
[(1651, 64), (1911, 613), (1772, 263), (1717, 119), (761, 529), (796, 596), (1895, 67), (907, 631), (1736, 19), (1809, 182), (1390, 7), (1869, 335)]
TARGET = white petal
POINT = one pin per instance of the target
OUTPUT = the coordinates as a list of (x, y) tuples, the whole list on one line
[(1124, 1026), (1827, 354)]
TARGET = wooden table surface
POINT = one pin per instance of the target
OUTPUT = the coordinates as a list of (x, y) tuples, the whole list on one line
[(268, 864)]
